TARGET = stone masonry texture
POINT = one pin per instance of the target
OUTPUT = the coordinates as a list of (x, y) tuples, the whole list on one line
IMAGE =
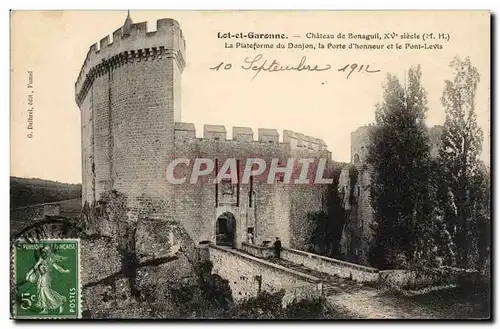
[(129, 94)]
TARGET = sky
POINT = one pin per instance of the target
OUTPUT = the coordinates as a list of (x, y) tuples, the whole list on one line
[(324, 104)]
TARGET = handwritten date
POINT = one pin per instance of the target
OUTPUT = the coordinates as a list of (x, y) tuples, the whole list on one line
[(350, 68), (259, 64)]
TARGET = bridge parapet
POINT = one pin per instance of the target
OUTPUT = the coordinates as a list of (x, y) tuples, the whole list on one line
[(331, 266), (248, 275), (257, 251)]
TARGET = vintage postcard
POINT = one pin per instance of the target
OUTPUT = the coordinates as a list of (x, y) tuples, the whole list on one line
[(250, 165)]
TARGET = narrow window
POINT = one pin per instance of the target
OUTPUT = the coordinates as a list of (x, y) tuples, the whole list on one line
[(216, 184), (250, 193)]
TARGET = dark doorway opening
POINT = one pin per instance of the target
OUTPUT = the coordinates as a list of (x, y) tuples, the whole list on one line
[(226, 230)]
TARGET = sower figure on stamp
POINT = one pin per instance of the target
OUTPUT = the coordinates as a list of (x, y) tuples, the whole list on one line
[(277, 247), (48, 299)]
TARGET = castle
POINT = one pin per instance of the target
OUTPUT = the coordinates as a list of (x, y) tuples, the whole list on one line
[(355, 189), (129, 95)]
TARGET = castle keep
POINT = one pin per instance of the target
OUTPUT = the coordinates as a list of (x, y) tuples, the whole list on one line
[(129, 94)]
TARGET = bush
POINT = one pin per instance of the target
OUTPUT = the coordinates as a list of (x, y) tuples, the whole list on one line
[(314, 308), (269, 306)]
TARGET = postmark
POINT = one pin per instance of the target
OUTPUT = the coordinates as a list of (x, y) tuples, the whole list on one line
[(47, 279)]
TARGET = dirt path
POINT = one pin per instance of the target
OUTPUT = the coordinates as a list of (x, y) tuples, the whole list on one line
[(372, 303), (361, 301), (358, 300), (375, 303)]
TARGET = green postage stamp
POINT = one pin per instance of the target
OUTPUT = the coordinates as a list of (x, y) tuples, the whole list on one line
[(47, 279)]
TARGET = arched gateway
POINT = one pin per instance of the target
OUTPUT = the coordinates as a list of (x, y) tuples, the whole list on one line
[(226, 230)]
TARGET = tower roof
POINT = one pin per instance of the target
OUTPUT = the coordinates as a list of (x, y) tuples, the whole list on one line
[(127, 25)]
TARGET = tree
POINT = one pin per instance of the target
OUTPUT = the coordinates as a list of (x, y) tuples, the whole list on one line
[(481, 213), (459, 155), (327, 226), (400, 189)]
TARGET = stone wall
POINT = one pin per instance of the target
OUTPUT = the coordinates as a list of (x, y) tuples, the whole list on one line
[(272, 210), (331, 266), (357, 234), (247, 275), (360, 142), (126, 92), (432, 278), (117, 283), (293, 140), (304, 199), (25, 216), (258, 251)]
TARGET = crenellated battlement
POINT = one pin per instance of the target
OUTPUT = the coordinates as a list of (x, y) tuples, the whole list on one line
[(132, 43), (295, 140)]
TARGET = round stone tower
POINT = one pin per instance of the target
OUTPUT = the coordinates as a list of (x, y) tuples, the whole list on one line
[(128, 92), (360, 142)]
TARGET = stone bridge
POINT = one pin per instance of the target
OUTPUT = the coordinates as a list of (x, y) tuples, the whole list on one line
[(253, 269), (355, 291)]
